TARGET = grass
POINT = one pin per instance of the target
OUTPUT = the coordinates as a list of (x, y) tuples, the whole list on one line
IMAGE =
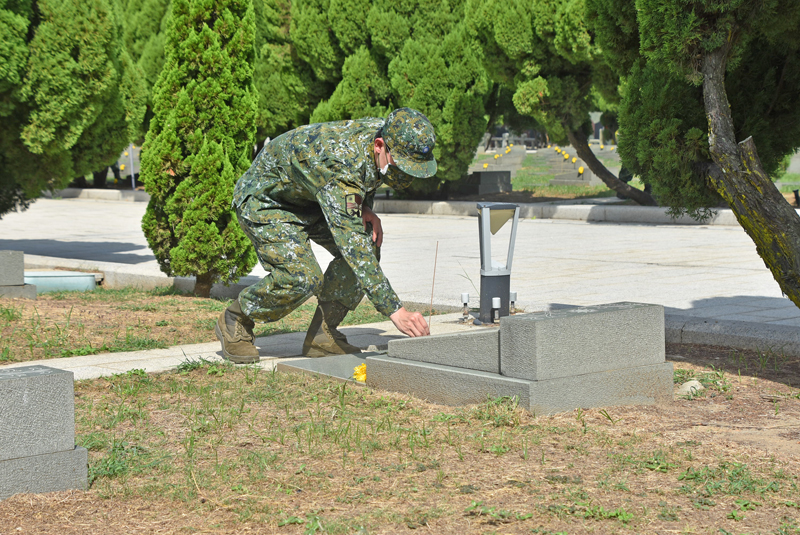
[(535, 175), (67, 324), (231, 448)]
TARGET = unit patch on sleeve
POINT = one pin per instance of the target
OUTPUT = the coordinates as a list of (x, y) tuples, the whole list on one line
[(352, 204)]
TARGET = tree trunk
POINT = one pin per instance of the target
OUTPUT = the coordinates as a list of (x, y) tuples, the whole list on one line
[(578, 140), (100, 178), (202, 285), (761, 210)]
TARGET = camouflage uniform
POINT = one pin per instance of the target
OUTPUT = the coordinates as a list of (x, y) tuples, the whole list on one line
[(310, 184)]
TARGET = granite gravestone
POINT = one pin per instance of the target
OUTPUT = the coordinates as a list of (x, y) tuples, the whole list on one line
[(37, 432)]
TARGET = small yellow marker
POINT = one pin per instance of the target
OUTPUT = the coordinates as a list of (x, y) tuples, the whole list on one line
[(602, 147), (122, 167), (574, 159), (360, 373), (486, 166), (126, 153), (580, 170), (548, 146), (566, 156), (496, 156)]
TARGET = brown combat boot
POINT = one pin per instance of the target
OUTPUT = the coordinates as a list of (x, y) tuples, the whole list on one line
[(235, 331), (323, 339)]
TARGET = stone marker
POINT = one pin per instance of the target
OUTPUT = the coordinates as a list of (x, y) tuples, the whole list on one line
[(551, 361), (12, 276), (474, 350), (576, 341), (37, 432)]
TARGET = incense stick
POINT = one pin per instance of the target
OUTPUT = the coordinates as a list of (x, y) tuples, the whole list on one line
[(433, 282)]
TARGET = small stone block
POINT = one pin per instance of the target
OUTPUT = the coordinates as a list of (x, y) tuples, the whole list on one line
[(339, 367), (473, 350), (50, 472), (25, 291), (442, 384), (37, 411), (12, 268), (643, 385), (581, 340)]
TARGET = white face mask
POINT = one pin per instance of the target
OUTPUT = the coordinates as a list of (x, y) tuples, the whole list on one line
[(384, 169)]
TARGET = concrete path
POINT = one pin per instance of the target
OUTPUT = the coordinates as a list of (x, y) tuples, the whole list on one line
[(708, 277)]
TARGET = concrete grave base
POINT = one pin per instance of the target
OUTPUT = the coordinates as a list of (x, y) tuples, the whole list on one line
[(49, 472), (339, 367), (447, 385), (579, 357), (19, 291)]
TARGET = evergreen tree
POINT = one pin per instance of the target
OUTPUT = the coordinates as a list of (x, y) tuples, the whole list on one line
[(65, 104), (287, 88), (701, 76), (544, 53), (200, 141), (144, 26)]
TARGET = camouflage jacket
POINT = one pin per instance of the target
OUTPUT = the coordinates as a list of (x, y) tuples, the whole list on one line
[(327, 167)]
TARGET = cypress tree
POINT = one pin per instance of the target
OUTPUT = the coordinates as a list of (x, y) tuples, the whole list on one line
[(200, 141), (711, 107), (544, 53), (68, 102)]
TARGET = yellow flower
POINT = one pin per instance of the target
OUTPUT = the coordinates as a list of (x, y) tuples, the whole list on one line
[(122, 167), (548, 146), (574, 159), (602, 147), (126, 153), (580, 170), (566, 156), (510, 144), (360, 373), (486, 166)]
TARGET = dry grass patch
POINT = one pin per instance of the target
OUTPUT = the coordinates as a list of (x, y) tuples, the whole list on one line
[(215, 448), (67, 324)]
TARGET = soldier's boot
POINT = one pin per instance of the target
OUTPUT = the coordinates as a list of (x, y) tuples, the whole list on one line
[(235, 331), (323, 339)]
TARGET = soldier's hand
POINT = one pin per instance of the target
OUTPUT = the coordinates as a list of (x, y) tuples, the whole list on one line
[(370, 217), (410, 323)]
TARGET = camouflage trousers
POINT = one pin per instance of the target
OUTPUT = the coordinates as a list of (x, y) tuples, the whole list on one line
[(283, 246)]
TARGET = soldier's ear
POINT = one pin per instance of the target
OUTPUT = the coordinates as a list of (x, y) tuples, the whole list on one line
[(380, 145)]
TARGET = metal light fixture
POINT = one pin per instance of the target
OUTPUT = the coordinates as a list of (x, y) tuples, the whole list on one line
[(495, 277)]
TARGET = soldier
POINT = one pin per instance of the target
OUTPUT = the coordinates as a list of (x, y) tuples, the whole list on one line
[(317, 183)]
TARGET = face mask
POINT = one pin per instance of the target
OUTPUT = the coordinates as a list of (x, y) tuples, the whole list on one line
[(384, 169), (397, 179)]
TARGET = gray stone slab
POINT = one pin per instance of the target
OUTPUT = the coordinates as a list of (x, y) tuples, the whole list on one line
[(642, 385), (50, 472), (576, 341), (37, 411), (783, 339), (474, 350), (12, 268), (24, 291), (442, 384), (337, 367)]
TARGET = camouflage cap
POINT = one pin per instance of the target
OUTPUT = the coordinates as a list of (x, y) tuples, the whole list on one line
[(410, 139)]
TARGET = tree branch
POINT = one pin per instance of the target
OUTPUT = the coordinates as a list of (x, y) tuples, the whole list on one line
[(578, 140)]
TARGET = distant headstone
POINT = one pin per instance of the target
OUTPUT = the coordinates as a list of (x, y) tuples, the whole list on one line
[(12, 276), (37, 432)]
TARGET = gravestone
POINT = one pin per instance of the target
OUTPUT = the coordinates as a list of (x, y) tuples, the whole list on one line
[(12, 276), (551, 361), (37, 432), (481, 182)]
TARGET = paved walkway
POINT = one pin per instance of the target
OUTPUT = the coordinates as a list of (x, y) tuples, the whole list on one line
[(708, 272)]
